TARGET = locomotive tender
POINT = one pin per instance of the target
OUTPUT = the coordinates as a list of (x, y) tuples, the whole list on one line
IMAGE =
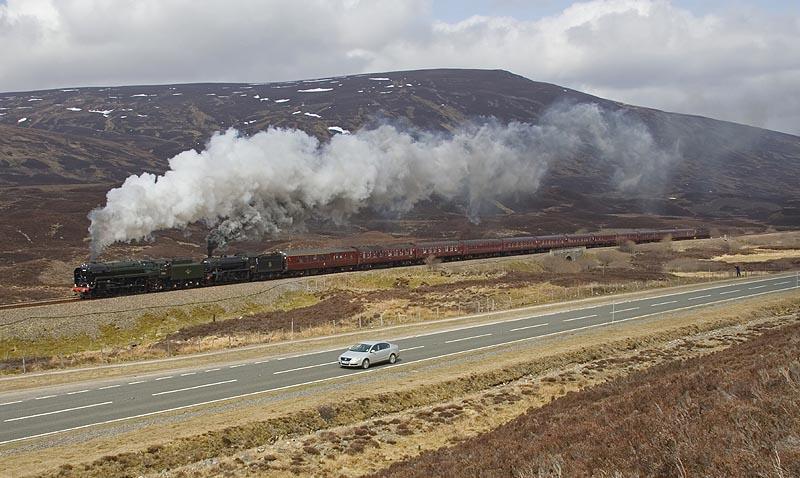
[(98, 279)]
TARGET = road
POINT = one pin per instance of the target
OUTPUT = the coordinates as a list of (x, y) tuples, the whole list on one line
[(25, 417)]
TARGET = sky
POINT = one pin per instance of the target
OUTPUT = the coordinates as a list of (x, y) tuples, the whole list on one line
[(734, 60)]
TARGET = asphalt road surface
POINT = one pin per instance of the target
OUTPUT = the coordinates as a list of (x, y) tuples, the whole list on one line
[(41, 415)]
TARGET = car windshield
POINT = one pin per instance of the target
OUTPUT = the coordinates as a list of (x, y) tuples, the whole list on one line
[(360, 348)]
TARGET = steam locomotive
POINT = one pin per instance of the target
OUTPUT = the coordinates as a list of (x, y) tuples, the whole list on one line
[(104, 279)]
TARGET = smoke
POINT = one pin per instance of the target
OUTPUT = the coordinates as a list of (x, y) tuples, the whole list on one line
[(274, 180)]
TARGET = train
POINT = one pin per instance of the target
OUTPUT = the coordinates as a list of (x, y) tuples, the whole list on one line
[(105, 279)]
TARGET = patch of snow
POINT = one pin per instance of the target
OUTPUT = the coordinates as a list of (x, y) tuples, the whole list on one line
[(316, 81), (256, 97), (2, 114), (123, 117), (236, 92), (315, 90), (35, 99), (70, 89), (297, 112), (313, 115), (211, 94), (380, 79), (673, 198), (24, 107), (265, 99), (141, 116), (21, 120), (26, 236), (74, 109), (139, 94), (283, 100), (250, 122), (112, 97), (337, 129), (360, 91), (384, 92), (243, 94), (409, 84), (247, 87), (102, 112), (389, 86), (177, 94)]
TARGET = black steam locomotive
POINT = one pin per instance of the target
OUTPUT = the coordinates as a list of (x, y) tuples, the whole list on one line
[(98, 279)]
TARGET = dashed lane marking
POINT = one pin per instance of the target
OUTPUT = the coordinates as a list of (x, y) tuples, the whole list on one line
[(466, 338), (57, 411), (304, 368), (580, 318), (529, 327), (194, 388)]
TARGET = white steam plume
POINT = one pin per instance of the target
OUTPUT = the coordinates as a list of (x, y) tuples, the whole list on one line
[(248, 186)]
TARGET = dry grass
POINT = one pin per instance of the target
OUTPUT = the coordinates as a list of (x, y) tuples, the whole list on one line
[(683, 418), (251, 441)]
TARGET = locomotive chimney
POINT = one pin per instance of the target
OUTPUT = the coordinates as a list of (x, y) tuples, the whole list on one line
[(211, 244)]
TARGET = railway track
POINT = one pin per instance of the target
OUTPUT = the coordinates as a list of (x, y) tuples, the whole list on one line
[(23, 305)]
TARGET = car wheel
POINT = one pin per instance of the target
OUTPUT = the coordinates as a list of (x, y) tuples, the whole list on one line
[(392, 358), (365, 363)]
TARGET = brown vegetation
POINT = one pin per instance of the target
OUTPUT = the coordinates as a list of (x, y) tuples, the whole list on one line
[(734, 413)]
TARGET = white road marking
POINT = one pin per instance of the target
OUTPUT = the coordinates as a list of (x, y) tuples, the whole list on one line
[(108, 386), (699, 297), (261, 361), (781, 283), (79, 391), (529, 327), (164, 378), (730, 291), (581, 318), (46, 396), (238, 365), (374, 370), (194, 388), (188, 373), (664, 303), (626, 310), (212, 370), (136, 382), (466, 338), (11, 403), (757, 287), (303, 368), (57, 411), (413, 348)]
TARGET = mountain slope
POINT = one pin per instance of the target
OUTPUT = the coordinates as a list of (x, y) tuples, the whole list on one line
[(721, 160)]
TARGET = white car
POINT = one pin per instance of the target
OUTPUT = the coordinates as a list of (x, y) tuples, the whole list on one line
[(364, 354)]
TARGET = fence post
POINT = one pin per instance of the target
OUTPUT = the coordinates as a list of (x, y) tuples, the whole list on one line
[(23, 364), (291, 333)]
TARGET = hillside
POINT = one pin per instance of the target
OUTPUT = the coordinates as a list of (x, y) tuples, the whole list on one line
[(61, 150)]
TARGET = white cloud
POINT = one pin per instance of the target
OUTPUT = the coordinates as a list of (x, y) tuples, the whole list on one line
[(740, 64)]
